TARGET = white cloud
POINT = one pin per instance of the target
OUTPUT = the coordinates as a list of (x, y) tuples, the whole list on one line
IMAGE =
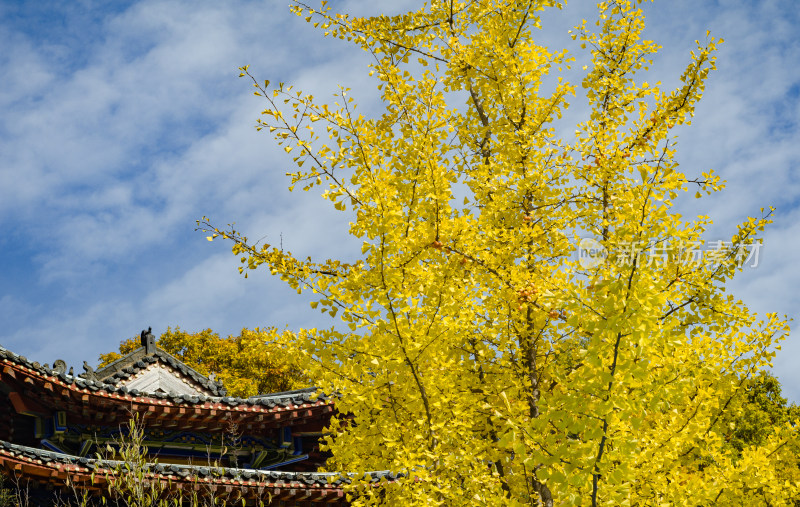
[(110, 151)]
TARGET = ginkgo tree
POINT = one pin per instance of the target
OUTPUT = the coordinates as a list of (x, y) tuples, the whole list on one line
[(528, 321), (248, 364)]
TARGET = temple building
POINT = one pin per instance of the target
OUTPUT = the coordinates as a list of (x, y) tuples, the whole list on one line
[(60, 430)]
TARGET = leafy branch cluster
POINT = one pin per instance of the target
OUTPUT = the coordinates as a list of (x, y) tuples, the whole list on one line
[(479, 356)]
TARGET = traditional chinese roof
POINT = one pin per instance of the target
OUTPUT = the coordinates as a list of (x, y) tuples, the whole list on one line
[(108, 402), (149, 368), (252, 486)]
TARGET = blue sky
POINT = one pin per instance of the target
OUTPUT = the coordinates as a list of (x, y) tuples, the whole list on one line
[(121, 123)]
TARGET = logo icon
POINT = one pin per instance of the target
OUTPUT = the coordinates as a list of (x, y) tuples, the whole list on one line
[(590, 253)]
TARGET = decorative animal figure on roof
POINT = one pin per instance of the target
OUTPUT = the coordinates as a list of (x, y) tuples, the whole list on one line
[(148, 341)]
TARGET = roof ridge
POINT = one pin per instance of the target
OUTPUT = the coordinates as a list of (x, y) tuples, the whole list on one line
[(169, 468), (298, 397)]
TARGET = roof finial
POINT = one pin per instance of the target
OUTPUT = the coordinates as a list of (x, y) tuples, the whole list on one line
[(89, 372), (148, 341), (60, 366)]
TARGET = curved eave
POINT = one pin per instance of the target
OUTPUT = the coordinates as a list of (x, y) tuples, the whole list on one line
[(250, 485), (104, 403)]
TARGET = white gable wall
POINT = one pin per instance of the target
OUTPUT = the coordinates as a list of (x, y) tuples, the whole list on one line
[(157, 378)]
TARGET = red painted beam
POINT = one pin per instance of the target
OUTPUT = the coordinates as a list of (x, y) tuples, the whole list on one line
[(25, 405)]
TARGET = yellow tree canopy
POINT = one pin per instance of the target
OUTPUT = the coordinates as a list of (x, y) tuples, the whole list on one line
[(248, 364), (528, 320)]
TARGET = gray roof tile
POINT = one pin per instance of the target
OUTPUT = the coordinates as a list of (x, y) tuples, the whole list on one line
[(309, 478), (296, 397)]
